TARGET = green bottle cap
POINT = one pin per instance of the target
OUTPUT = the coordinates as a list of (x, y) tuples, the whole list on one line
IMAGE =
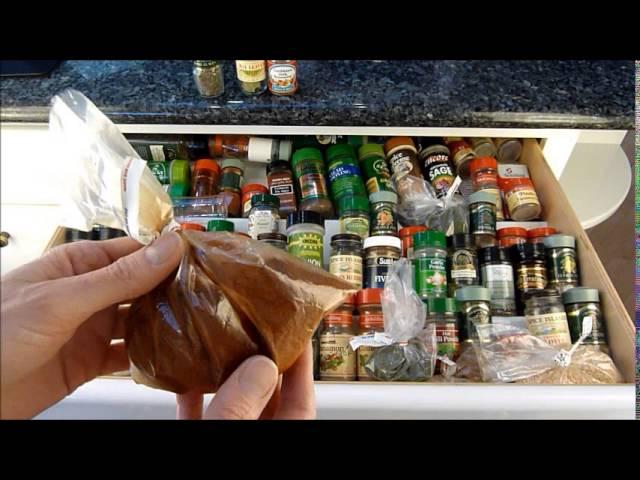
[(220, 226), (383, 196), (441, 305), (370, 149), (178, 190), (305, 154), (265, 199), (429, 238), (353, 203), (473, 293), (179, 171), (340, 149)]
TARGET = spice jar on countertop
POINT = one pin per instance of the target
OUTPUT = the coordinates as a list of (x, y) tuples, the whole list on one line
[(370, 321), (206, 175), (281, 184), (209, 78), (252, 76), (282, 77)]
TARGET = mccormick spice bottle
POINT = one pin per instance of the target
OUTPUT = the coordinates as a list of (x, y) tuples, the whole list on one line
[(436, 165), (374, 168), (406, 235), (248, 192), (309, 172), (337, 358), (344, 174), (430, 264), (562, 262), (370, 321), (530, 270), (474, 309), (581, 302), (461, 154), (280, 180), (442, 313), (402, 156), (484, 177), (521, 198), (282, 77), (462, 262)]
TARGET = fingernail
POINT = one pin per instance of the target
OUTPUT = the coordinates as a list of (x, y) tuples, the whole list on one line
[(162, 249), (258, 377)]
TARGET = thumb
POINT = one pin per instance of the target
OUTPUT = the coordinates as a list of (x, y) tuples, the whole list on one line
[(128, 277), (246, 392)]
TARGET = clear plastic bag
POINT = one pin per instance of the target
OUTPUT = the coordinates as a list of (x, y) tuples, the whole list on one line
[(410, 354)]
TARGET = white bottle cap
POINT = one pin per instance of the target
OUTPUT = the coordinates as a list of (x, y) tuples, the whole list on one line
[(260, 149), (284, 153)]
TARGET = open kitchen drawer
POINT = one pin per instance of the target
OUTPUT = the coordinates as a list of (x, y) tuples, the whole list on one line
[(377, 400)]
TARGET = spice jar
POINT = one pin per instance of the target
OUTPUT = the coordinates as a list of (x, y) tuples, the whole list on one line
[(484, 177), (547, 319), (280, 181), (406, 235), (354, 216), (436, 165), (252, 76), (192, 226), (442, 313), (508, 149), (497, 275), (483, 147), (582, 302), (346, 258), (373, 165), (178, 190), (229, 146), (337, 358), (402, 156), (482, 218), (530, 270), (248, 191), (263, 217), (380, 252), (383, 213), (344, 174), (474, 308), (461, 155), (430, 264), (209, 78), (537, 235), (179, 172), (282, 77), (277, 240), (511, 236), (562, 262), (305, 236), (462, 262), (220, 226), (230, 181), (160, 170), (370, 321), (253, 149), (521, 198), (308, 168), (206, 174)]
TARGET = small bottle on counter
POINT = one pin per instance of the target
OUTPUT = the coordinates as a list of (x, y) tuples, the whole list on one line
[(346, 258), (206, 174), (219, 225), (282, 77), (370, 321), (354, 215), (209, 77), (430, 264), (305, 236), (582, 302), (280, 181), (547, 319), (562, 262), (337, 358), (441, 312), (383, 213), (278, 240), (497, 275), (462, 262), (252, 76), (264, 216), (474, 307)]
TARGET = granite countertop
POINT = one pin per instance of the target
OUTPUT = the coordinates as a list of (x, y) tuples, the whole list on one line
[(475, 93)]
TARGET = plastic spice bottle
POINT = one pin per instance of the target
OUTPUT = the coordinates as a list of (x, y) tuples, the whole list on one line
[(253, 149), (483, 147), (178, 190), (206, 175), (278, 240), (337, 358), (370, 320), (248, 192), (537, 235), (484, 177), (252, 76), (474, 308), (230, 181), (530, 270), (562, 262), (402, 156), (374, 168), (280, 181), (308, 169), (508, 149), (282, 77), (521, 198), (443, 313), (354, 216), (344, 174), (430, 264), (436, 165), (482, 217), (346, 258), (220, 226), (264, 216), (547, 319), (462, 262), (380, 252), (383, 213), (305, 236), (461, 154), (179, 172), (510, 236), (581, 302), (406, 235), (496, 272)]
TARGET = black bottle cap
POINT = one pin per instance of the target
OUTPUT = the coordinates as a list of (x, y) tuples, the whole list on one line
[(493, 254), (462, 240), (305, 216), (278, 164)]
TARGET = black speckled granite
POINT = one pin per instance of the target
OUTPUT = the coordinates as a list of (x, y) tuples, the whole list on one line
[(540, 94)]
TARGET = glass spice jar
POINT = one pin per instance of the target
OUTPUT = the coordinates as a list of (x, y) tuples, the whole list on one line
[(537, 235), (462, 262), (206, 174), (308, 169), (482, 218), (510, 236), (280, 181), (442, 312), (218, 225), (383, 213), (582, 302), (530, 270), (508, 149), (252, 76), (248, 192), (402, 156), (380, 252), (484, 177), (496, 272), (373, 165), (406, 235), (354, 216), (370, 321), (521, 198), (430, 264), (282, 77), (436, 165), (230, 181), (345, 260), (483, 147), (474, 308), (305, 236), (337, 358), (264, 216), (209, 78), (562, 262), (461, 154), (547, 319), (278, 240)]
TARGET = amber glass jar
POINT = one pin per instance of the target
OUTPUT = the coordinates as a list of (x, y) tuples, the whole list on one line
[(370, 321)]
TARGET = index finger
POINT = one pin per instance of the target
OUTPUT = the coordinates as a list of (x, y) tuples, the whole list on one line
[(298, 396)]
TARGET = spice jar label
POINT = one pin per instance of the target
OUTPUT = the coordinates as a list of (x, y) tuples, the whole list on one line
[(483, 218), (312, 185), (262, 221), (364, 353), (282, 78), (440, 173), (462, 265), (160, 170), (550, 327), (474, 313), (576, 314), (337, 358), (376, 271), (356, 225), (564, 266), (383, 219), (531, 278), (448, 341), (231, 181), (430, 276), (401, 163), (378, 175), (251, 70), (347, 267), (518, 196), (307, 246)]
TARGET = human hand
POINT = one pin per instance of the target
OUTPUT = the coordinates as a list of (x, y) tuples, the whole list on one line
[(60, 315), (256, 391)]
